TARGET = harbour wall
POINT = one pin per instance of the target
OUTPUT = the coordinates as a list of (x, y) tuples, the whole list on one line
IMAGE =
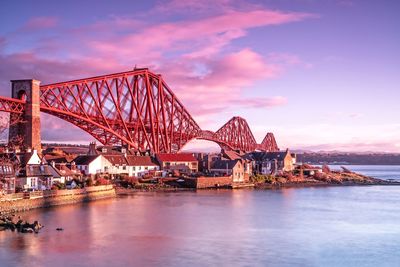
[(41, 199)]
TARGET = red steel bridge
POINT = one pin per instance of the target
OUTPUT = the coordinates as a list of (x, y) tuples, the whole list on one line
[(134, 108)]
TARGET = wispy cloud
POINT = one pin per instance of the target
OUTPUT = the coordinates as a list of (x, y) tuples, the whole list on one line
[(263, 102), (195, 52)]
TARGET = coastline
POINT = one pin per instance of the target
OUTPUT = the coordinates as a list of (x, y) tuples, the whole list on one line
[(75, 196), (319, 184), (43, 199)]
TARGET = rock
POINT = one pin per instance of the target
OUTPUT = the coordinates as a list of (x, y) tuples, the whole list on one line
[(27, 230), (12, 227)]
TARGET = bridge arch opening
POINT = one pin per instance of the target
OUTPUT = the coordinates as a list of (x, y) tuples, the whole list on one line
[(57, 130), (201, 145)]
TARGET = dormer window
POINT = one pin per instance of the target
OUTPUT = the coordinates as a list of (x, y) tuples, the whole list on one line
[(104, 150)]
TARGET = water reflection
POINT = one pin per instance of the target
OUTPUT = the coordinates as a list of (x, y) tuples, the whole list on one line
[(291, 227)]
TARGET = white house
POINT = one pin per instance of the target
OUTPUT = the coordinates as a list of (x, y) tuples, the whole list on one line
[(92, 164), (111, 161), (138, 166), (118, 163), (33, 175)]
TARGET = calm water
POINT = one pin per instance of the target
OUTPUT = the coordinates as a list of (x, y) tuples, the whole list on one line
[(377, 171), (336, 226)]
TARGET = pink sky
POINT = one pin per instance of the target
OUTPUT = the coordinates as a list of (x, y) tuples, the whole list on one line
[(320, 76)]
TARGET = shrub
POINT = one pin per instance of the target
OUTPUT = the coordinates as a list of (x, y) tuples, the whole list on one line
[(102, 181), (258, 178), (89, 182)]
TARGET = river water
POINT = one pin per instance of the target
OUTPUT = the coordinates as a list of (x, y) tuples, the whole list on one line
[(377, 171), (331, 226)]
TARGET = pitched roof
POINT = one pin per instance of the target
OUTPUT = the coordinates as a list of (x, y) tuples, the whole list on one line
[(223, 164), (65, 171), (38, 170), (180, 157), (54, 171), (140, 161), (85, 159), (231, 155), (116, 159)]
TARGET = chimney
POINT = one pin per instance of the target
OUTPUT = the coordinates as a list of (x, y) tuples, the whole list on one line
[(92, 149), (73, 166)]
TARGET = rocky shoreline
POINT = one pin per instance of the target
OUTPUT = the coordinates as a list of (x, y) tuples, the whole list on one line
[(320, 184), (321, 178), (15, 223)]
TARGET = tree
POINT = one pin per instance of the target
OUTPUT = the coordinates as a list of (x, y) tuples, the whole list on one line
[(6, 122)]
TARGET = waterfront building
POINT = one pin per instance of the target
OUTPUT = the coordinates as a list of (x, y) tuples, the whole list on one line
[(36, 177), (33, 172), (115, 161), (271, 162), (234, 168), (181, 162), (139, 166), (92, 164), (7, 177)]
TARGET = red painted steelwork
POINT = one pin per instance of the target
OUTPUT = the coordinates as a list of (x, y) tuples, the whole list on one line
[(135, 108), (12, 105)]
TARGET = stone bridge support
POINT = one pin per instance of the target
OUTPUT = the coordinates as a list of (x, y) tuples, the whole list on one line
[(27, 125)]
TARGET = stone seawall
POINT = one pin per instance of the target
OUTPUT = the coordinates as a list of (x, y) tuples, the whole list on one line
[(208, 182), (22, 202)]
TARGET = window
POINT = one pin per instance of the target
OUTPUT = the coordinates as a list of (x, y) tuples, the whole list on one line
[(124, 167), (146, 168), (134, 168)]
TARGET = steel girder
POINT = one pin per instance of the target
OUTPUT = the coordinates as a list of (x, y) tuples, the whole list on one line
[(138, 109), (135, 108), (268, 144), (12, 105)]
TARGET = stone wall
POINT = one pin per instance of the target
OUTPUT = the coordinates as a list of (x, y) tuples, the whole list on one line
[(208, 182), (41, 199)]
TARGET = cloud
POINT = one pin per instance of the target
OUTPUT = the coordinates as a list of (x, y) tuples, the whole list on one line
[(221, 81), (263, 102), (199, 37), (194, 52), (29, 65)]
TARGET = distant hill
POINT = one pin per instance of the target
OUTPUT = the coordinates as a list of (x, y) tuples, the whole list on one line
[(349, 158)]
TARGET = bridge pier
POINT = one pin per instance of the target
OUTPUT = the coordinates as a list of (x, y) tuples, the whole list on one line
[(27, 126)]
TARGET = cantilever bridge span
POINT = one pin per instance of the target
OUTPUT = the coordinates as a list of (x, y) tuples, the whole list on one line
[(135, 108)]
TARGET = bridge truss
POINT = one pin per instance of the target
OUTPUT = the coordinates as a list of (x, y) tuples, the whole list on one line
[(138, 109)]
